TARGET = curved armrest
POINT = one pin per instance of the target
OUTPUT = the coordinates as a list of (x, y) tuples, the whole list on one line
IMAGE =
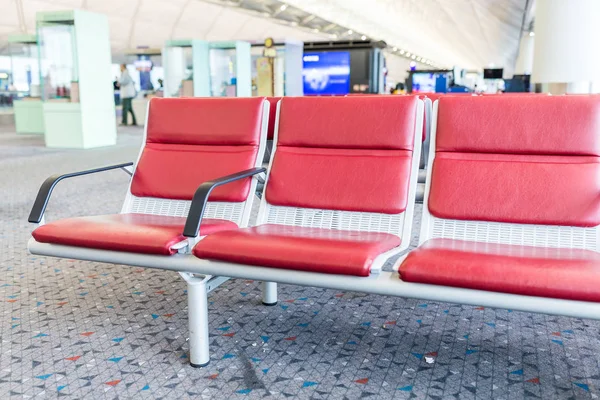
[(41, 201), (192, 224)]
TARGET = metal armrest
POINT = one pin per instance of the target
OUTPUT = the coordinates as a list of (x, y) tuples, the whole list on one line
[(41, 201), (192, 224)]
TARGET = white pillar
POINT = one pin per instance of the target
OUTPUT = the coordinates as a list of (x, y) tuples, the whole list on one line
[(566, 37), (524, 64)]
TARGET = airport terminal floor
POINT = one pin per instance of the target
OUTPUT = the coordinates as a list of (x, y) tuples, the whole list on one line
[(93, 330)]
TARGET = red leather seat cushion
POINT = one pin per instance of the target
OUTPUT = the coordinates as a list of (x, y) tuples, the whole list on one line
[(193, 140), (351, 154), (556, 190), (369, 122), (298, 248), (558, 273), (175, 171), (134, 233), (205, 121), (349, 180), (540, 125)]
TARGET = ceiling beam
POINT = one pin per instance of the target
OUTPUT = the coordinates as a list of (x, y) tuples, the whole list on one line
[(21, 16), (307, 19), (176, 23), (132, 28)]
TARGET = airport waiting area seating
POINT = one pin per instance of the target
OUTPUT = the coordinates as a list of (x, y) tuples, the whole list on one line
[(328, 188), (187, 142), (510, 217)]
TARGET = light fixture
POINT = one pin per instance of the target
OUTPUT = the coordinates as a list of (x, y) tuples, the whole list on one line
[(395, 49), (293, 23), (316, 30), (413, 57), (350, 31), (401, 51), (333, 35), (283, 7), (407, 54), (419, 59), (363, 37), (531, 33)]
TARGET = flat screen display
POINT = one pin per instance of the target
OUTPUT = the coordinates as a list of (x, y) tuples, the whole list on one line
[(326, 72), (423, 82), (493, 73), (143, 65)]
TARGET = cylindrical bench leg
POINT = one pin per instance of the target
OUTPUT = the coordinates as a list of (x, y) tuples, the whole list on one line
[(198, 320), (269, 293)]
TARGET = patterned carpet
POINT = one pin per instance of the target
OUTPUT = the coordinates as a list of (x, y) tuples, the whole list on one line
[(89, 330)]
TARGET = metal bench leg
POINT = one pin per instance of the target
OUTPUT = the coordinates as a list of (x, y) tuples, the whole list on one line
[(269, 293), (198, 319)]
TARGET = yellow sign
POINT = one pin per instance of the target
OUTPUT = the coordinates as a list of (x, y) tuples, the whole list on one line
[(264, 77), (269, 50)]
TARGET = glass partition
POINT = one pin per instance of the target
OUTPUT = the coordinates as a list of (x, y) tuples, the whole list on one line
[(222, 72), (25, 78), (58, 76)]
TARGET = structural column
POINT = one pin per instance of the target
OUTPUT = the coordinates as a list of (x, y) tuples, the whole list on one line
[(566, 59), (524, 63)]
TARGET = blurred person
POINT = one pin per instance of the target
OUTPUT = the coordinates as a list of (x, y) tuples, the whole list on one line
[(127, 91), (400, 88)]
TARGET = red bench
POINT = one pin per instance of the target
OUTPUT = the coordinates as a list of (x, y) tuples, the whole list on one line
[(328, 196), (510, 219)]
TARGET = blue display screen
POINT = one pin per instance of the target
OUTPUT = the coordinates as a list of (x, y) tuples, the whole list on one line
[(423, 82), (326, 72)]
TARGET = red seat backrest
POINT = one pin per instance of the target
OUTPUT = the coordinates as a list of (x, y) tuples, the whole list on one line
[(193, 140), (272, 116), (518, 159), (352, 154)]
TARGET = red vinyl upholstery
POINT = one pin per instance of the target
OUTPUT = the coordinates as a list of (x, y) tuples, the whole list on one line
[(272, 116), (194, 140), (534, 271), (344, 153), (523, 159), (298, 248), (135, 233), (568, 125)]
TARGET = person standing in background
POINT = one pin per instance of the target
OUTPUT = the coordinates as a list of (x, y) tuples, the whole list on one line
[(127, 89)]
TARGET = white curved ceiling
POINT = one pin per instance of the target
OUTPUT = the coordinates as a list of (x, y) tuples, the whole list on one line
[(466, 33), (150, 22)]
